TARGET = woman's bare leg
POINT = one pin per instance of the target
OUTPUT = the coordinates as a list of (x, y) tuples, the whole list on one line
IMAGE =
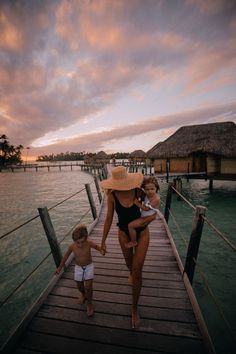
[(137, 265), (127, 252)]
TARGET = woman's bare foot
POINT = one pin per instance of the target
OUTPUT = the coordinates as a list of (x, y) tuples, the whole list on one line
[(130, 279), (135, 319), (90, 310), (82, 299), (130, 244)]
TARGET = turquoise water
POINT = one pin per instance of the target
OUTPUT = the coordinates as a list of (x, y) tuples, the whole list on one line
[(21, 251), (23, 192), (216, 260)]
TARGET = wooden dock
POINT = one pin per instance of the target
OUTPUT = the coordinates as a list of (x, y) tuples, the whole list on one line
[(170, 318)]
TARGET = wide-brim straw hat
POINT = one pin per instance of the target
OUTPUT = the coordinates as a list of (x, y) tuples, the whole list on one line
[(121, 180)]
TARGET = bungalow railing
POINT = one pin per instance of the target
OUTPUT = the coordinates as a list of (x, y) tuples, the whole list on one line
[(16, 291), (199, 219)]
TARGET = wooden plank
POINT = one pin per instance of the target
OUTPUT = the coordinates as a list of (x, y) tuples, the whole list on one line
[(122, 288), (124, 273), (166, 284), (115, 267), (61, 345), (126, 298), (131, 339), (122, 322), (124, 309)]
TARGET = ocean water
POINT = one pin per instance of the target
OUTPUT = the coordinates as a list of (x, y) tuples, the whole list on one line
[(23, 250), (216, 262)]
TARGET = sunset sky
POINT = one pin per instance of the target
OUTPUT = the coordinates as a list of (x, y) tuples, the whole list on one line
[(113, 75)]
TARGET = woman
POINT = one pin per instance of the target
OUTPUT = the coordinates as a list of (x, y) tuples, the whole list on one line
[(122, 191)]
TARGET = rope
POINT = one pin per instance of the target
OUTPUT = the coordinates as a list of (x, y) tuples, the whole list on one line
[(186, 200), (74, 226), (202, 274), (29, 275), (218, 233), (23, 281), (18, 227), (35, 217), (71, 196), (178, 228)]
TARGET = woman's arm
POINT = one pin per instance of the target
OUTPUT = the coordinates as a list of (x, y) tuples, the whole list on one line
[(64, 259), (140, 205), (108, 221)]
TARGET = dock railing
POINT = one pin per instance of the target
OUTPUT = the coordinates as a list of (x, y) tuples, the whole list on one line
[(33, 270), (199, 219)]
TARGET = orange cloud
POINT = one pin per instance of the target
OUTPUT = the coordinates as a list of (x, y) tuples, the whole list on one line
[(10, 36)]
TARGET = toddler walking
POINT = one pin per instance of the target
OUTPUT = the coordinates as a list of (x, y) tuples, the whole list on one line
[(84, 267)]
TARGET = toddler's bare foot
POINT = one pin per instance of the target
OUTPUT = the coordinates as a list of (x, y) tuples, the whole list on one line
[(130, 244), (135, 319), (130, 279), (82, 299), (90, 310)]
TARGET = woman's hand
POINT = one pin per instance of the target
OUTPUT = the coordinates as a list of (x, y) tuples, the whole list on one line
[(103, 249)]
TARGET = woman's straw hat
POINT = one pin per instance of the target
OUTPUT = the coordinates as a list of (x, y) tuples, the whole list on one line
[(121, 180)]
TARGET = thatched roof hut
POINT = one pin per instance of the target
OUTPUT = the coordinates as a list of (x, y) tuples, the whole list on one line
[(102, 155), (213, 138), (138, 154)]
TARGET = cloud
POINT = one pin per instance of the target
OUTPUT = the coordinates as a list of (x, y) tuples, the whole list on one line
[(168, 123), (63, 62)]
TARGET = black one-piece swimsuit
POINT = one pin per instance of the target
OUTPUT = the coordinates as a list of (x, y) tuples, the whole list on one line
[(126, 215)]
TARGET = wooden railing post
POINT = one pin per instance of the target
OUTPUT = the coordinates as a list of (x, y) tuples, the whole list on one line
[(98, 189), (167, 171), (168, 202), (194, 242), (51, 236), (91, 201)]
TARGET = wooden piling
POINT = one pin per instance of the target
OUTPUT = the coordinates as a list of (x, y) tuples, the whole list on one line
[(51, 236), (91, 201), (98, 189), (194, 242), (168, 202), (211, 184)]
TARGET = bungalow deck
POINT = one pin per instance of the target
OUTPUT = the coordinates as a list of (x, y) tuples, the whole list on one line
[(170, 318)]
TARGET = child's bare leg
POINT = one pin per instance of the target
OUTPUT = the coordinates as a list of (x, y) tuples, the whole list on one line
[(80, 286), (133, 225), (88, 286)]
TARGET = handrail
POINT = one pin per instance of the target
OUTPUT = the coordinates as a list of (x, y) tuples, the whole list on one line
[(203, 276), (43, 260), (217, 232), (36, 216), (186, 200)]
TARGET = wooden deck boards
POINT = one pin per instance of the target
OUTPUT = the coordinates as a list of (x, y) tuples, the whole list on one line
[(168, 323)]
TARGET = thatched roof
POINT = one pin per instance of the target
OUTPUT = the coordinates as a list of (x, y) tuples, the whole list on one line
[(137, 153), (215, 138), (101, 155)]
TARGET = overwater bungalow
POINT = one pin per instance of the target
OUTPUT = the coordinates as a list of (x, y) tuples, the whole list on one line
[(101, 157), (207, 148), (137, 156)]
